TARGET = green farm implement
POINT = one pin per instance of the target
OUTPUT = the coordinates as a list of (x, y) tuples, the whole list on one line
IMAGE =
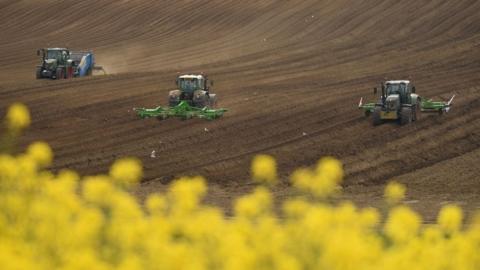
[(191, 99), (183, 110), (398, 101), (436, 106)]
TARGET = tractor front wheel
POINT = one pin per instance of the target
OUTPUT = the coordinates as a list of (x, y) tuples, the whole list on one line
[(376, 117), (406, 116)]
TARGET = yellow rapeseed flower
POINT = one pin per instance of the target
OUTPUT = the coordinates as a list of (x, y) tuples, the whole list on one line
[(450, 218), (264, 169), (330, 168), (18, 117), (97, 189), (394, 192), (126, 171), (59, 221), (255, 204), (302, 179), (41, 153), (402, 224), (156, 204), (369, 217), (187, 192), (323, 186), (322, 182)]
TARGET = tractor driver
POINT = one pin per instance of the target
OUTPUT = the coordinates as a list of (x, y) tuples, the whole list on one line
[(190, 84)]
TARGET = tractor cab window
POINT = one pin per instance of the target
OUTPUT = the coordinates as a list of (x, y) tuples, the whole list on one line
[(53, 54), (189, 84), (398, 89)]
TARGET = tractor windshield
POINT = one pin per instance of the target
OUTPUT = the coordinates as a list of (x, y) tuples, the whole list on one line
[(189, 84), (54, 54), (396, 88)]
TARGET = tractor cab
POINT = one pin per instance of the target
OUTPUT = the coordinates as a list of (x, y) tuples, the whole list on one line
[(192, 83), (398, 101), (55, 63), (58, 55), (194, 89), (399, 89)]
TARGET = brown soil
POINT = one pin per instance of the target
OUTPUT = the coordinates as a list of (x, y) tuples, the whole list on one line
[(290, 72)]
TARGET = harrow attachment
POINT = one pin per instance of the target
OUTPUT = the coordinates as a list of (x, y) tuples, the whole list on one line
[(368, 108), (436, 106), (183, 110), (425, 106)]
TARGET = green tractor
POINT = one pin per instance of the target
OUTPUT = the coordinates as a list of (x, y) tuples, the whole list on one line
[(61, 63), (398, 101), (192, 99), (195, 90), (56, 64)]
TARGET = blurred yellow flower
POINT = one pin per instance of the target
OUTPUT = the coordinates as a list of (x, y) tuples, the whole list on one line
[(322, 182), (323, 186), (59, 221), (41, 153), (450, 218), (126, 171), (369, 217), (156, 204), (97, 189), (330, 168), (394, 192), (302, 179), (402, 224), (187, 192), (18, 117), (255, 204), (264, 169)]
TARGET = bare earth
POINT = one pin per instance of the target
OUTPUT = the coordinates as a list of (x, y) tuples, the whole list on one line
[(290, 72)]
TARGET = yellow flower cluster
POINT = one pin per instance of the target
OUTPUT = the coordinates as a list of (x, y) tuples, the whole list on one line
[(323, 181), (18, 117), (394, 192), (63, 221), (264, 169)]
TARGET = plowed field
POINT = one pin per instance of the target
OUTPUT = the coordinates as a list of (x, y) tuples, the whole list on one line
[(290, 72)]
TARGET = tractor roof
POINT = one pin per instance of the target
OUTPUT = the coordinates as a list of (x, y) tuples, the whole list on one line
[(398, 81), (57, 49), (198, 77)]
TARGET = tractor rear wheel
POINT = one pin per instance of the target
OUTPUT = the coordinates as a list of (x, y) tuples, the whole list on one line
[(376, 118), (174, 98), (200, 99), (406, 116)]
